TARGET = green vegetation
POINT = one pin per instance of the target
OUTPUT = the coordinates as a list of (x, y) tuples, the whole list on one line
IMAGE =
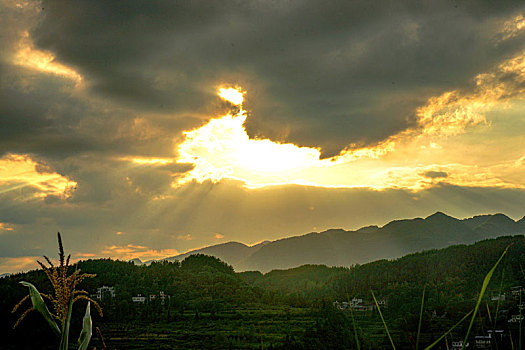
[(204, 304), (63, 299)]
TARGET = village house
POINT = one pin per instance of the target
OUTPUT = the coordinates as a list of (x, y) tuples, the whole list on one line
[(517, 291), (105, 291), (496, 297), (485, 341), (357, 304), (458, 345), (139, 299), (515, 318), (162, 296), (340, 305)]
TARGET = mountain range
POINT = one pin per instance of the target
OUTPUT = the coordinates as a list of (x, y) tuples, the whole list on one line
[(338, 247)]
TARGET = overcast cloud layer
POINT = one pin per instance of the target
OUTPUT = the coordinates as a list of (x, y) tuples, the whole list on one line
[(128, 78)]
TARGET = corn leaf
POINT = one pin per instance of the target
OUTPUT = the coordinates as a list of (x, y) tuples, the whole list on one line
[(40, 306), (64, 341), (85, 334)]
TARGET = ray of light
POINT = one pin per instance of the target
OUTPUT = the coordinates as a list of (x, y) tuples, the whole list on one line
[(20, 171)]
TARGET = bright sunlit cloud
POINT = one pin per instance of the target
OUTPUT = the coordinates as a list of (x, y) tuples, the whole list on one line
[(6, 227), (149, 161), (20, 171), (131, 251), (232, 95), (223, 149), (512, 27), (43, 61)]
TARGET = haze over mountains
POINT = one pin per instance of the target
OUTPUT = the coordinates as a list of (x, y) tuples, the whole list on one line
[(337, 247)]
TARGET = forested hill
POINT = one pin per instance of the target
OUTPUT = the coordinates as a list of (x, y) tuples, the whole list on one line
[(456, 271), (203, 290), (337, 247), (199, 284)]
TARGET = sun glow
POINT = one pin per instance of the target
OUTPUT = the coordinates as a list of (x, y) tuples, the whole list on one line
[(222, 148), (410, 159), (232, 95), (148, 161)]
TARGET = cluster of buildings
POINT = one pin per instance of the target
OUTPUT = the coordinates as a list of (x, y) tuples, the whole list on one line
[(481, 341), (109, 292), (357, 304), (141, 299), (105, 292)]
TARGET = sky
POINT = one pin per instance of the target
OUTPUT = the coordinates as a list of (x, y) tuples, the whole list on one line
[(146, 129)]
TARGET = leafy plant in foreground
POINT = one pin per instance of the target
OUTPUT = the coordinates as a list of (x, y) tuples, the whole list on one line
[(65, 295)]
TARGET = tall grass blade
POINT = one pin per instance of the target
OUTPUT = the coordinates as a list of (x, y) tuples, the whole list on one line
[(420, 318), (64, 340), (85, 334), (353, 324), (382, 319), (520, 307), (40, 306), (499, 295), (481, 293), (447, 332), (355, 329)]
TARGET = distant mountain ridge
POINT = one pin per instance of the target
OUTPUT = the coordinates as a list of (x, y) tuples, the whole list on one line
[(338, 247), (234, 253)]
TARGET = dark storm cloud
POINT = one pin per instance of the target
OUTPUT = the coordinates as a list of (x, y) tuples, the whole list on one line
[(49, 116), (318, 73), (43, 115)]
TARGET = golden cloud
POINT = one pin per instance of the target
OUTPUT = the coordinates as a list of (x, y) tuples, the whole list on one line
[(130, 251), (6, 227), (42, 61), (223, 149), (18, 264), (185, 237), (512, 27), (18, 171)]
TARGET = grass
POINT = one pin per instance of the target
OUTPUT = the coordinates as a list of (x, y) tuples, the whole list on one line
[(447, 332), (484, 286), (474, 312), (383, 320), (353, 324), (420, 318)]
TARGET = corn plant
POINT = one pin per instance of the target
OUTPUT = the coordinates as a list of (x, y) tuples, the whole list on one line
[(65, 295)]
